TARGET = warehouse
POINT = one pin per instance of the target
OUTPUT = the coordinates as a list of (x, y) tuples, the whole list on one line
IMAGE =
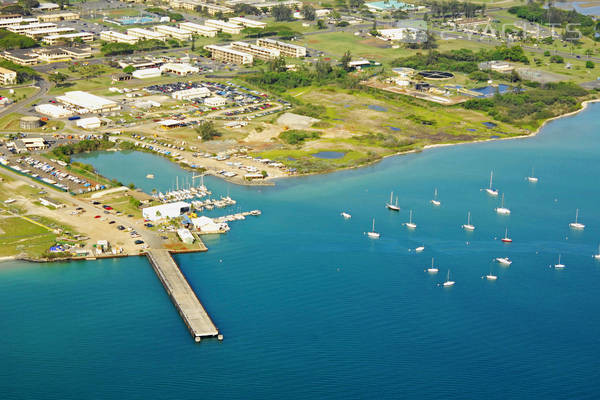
[(179, 69), (201, 30), (216, 101), (189, 94), (163, 211), (86, 102), (146, 73), (53, 111), (89, 123)]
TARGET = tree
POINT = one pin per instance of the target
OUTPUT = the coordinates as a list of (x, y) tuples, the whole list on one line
[(345, 61), (323, 68), (57, 78), (281, 13), (277, 64), (207, 130), (356, 3), (129, 69), (589, 64), (321, 24), (308, 12)]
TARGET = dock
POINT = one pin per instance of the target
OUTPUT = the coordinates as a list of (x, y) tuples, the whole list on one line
[(179, 290)]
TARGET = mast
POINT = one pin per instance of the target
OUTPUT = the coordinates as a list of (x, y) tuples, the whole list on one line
[(491, 177)]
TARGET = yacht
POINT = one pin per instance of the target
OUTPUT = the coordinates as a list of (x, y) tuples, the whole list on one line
[(532, 178), (410, 224), (420, 249), (150, 176), (559, 265), (468, 226), (432, 269), (502, 209), (392, 206), (373, 234), (490, 190), (435, 201), (346, 215), (503, 260), (448, 281), (491, 277), (597, 256), (506, 239), (576, 225)]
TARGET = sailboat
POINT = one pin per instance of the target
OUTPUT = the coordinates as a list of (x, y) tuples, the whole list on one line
[(503, 260), (419, 249), (390, 205), (410, 224), (435, 201), (432, 269), (448, 281), (559, 265), (597, 256), (532, 178), (502, 209), (576, 225), (346, 215), (490, 276), (373, 234), (491, 191), (506, 239), (468, 226)]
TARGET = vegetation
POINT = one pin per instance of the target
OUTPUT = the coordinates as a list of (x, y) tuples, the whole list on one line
[(282, 13), (10, 40), (294, 136), (24, 73), (246, 9), (531, 106), (455, 9), (308, 12), (534, 12), (207, 131), (159, 11), (64, 152), (112, 49)]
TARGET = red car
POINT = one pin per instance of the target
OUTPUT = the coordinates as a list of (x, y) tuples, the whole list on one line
[(97, 216), (107, 208)]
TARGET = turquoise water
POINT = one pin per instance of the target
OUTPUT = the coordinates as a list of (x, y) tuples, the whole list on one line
[(312, 309)]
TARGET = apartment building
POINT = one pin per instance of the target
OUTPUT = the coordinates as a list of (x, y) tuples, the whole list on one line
[(173, 32), (113, 36), (56, 17), (248, 23), (21, 29), (146, 34), (287, 49), (40, 33), (227, 27), (13, 20), (68, 37), (197, 29), (229, 55), (7, 77), (262, 53)]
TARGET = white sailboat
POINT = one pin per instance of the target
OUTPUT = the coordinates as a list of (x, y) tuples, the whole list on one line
[(468, 226), (490, 190), (448, 281), (410, 224), (576, 224), (373, 234), (435, 201), (502, 209), (346, 215), (392, 206), (597, 256), (419, 249), (506, 239), (432, 269), (559, 265), (532, 178), (503, 260), (491, 277)]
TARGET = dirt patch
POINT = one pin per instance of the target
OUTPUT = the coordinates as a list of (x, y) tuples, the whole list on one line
[(266, 134), (295, 121)]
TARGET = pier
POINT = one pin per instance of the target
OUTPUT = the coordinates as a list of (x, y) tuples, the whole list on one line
[(185, 300)]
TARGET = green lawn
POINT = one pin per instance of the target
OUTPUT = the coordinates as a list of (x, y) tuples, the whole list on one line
[(18, 235)]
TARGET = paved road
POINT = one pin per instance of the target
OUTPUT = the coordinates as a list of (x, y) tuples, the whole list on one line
[(21, 106)]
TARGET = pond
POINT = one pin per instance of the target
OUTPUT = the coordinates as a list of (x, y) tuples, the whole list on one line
[(377, 108), (488, 91), (329, 155), (489, 124)]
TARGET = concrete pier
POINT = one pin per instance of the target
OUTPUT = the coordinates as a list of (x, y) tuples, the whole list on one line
[(185, 300)]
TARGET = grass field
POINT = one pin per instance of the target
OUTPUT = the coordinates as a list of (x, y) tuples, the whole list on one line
[(18, 236)]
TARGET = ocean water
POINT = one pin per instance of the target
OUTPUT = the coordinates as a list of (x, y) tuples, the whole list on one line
[(311, 308)]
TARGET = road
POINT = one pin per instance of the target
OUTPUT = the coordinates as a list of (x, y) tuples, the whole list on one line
[(22, 105)]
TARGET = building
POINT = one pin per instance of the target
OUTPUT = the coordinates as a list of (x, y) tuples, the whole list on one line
[(229, 55), (179, 69), (85, 102), (47, 6), (215, 101), (53, 111), (389, 5), (206, 225), (34, 143), (21, 29), (406, 34), (498, 66), (146, 73), (146, 34), (248, 23), (29, 122), (68, 37), (294, 4), (57, 17), (89, 123), (48, 202), (56, 54), (40, 33), (202, 6), (13, 20), (185, 235), (226, 27), (189, 94), (173, 32), (48, 54), (165, 211), (7, 77), (197, 29), (262, 53), (286, 49), (113, 36)]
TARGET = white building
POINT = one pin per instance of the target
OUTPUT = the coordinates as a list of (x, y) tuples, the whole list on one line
[(146, 34), (169, 210), (15, 20), (21, 29), (40, 33), (207, 225), (53, 111), (173, 32), (146, 73), (287, 49), (7, 77), (89, 123), (68, 37), (248, 23), (185, 235), (412, 34), (263, 53), (227, 27), (215, 101), (179, 69), (228, 55), (113, 36), (193, 93), (197, 29), (86, 102)]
